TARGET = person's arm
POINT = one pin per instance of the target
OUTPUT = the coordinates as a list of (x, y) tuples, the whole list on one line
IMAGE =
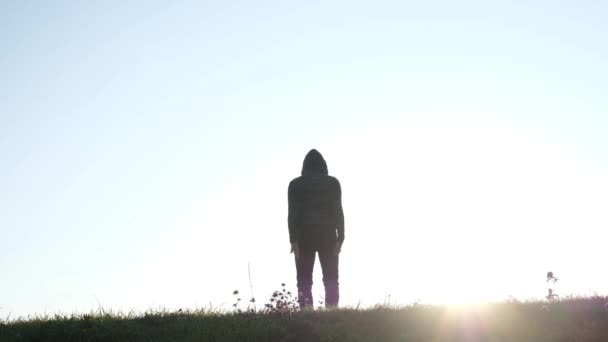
[(292, 213), (339, 214), (292, 216)]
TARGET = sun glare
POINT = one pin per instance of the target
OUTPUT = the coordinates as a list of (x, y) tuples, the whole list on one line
[(459, 213)]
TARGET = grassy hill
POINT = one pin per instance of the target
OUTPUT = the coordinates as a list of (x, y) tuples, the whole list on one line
[(576, 319)]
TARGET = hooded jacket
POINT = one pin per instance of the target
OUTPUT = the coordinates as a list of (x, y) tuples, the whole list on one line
[(315, 204)]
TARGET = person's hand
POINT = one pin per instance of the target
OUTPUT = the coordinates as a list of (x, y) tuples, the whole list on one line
[(338, 247), (295, 249)]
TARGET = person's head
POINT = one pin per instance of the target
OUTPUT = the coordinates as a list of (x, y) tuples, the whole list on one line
[(314, 163)]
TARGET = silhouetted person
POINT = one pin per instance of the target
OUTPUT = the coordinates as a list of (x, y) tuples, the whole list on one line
[(316, 224)]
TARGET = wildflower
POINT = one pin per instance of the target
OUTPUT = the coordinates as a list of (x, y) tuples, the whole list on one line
[(551, 280), (252, 300)]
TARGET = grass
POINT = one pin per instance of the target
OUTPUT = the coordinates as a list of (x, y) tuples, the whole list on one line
[(572, 319)]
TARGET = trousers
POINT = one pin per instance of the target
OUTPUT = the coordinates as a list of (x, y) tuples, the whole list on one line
[(329, 266)]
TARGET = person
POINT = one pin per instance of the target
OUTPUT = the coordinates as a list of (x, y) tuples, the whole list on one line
[(316, 225)]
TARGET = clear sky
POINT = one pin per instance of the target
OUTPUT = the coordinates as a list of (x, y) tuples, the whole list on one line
[(147, 146)]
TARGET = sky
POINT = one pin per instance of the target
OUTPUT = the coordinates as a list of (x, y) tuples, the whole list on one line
[(147, 146)]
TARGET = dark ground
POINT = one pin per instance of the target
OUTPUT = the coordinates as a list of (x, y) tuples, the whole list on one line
[(578, 319)]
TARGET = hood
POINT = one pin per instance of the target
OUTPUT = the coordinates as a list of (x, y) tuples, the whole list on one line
[(314, 164)]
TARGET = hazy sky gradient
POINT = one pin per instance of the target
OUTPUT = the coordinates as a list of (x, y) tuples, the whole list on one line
[(147, 147)]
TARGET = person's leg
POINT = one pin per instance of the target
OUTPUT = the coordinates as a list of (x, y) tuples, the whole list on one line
[(329, 265), (304, 268)]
